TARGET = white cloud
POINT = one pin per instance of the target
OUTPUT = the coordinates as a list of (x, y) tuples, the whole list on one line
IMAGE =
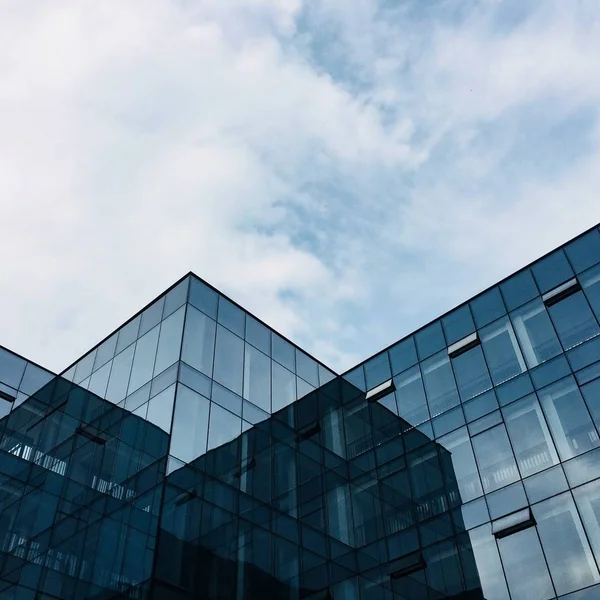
[(326, 164)]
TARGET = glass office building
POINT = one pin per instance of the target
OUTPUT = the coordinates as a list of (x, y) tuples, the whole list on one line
[(197, 454)]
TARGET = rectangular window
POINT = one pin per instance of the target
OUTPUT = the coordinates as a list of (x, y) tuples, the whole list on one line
[(471, 373), (257, 378), (502, 351), (439, 383), (412, 405), (574, 321), (229, 360)]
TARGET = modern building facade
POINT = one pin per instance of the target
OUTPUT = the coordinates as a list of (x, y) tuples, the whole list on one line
[(197, 454)]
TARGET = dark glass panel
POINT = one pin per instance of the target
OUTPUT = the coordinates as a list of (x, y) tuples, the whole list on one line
[(190, 425), (412, 404), (573, 320), (143, 361), (584, 252), (257, 378), (203, 298), (502, 351), (546, 484), (480, 406), (232, 317), (403, 355), (507, 500), (377, 370), (458, 324), (33, 379), (283, 352), (169, 341), (229, 360), (284, 387), (199, 341), (439, 383), (258, 335), (518, 289), (551, 271), (307, 368), (430, 340), (590, 282), (471, 373), (488, 307), (151, 316)]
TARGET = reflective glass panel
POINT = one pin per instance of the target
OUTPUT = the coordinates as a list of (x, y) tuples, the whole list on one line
[(489, 567), (231, 316), (535, 332), (518, 289), (258, 335), (128, 334), (471, 373), (257, 378), (169, 341), (203, 297), (584, 252), (412, 405), (119, 375), (529, 435), (573, 320), (458, 324), (283, 352), (439, 383), (488, 307), (190, 425), (229, 360), (403, 355), (587, 498), (151, 316), (160, 409), (284, 387), (199, 341), (223, 426), (590, 282), (568, 418), (565, 545), (501, 350), (495, 458), (307, 368), (551, 271), (143, 361), (430, 340)]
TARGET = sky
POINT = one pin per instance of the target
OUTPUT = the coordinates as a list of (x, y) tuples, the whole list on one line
[(347, 170)]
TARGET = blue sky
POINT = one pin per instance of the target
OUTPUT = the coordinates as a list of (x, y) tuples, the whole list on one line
[(347, 170)]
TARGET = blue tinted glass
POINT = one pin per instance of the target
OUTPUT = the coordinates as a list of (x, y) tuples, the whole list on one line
[(203, 298), (475, 513), (507, 500), (514, 389), (223, 397), (439, 383), (573, 320), (151, 316), (128, 334), (169, 341), (536, 333), (449, 421), (565, 544), (568, 418), (551, 271), (302, 388), (176, 297), (486, 422), (232, 317), (307, 368), (325, 375), (284, 387), (591, 394), (549, 372), (223, 426), (584, 252), (195, 380), (283, 352), (525, 567), (257, 378), (357, 378), (584, 355), (199, 341), (587, 594), (590, 282), (258, 335), (412, 405), (377, 370), (190, 425), (119, 375), (546, 484), (518, 289), (471, 373), (494, 455), (403, 355), (489, 567), (501, 350), (587, 498), (582, 469), (33, 379), (430, 340), (588, 374), (160, 409), (487, 307), (464, 470), (458, 324), (480, 406), (84, 367), (229, 360), (99, 380), (529, 435), (143, 361)]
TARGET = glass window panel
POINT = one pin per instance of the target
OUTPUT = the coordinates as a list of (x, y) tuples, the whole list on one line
[(253, 414), (480, 406), (494, 455), (450, 420), (199, 341), (525, 567), (325, 375), (33, 379), (458, 324), (484, 423), (550, 371), (591, 394), (546, 484), (568, 418), (105, 351), (176, 297), (430, 340), (590, 282), (151, 316), (231, 316), (377, 370), (573, 320), (128, 334), (222, 396), (139, 397), (84, 367), (472, 514), (584, 252), (284, 387), (203, 297), (307, 368), (412, 405), (283, 352), (195, 380), (529, 435), (169, 342), (488, 563), (519, 289), (302, 388), (536, 333), (229, 360), (403, 355), (507, 500), (257, 378), (439, 383), (585, 354), (471, 373), (551, 271), (515, 388), (160, 409), (587, 498), (588, 374), (501, 350), (463, 469), (488, 307), (258, 335), (190, 425), (224, 426), (583, 468), (565, 545), (119, 375), (143, 361), (99, 380)]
